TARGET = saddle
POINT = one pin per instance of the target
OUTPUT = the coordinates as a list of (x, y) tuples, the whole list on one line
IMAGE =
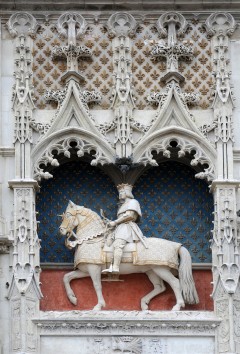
[(127, 252)]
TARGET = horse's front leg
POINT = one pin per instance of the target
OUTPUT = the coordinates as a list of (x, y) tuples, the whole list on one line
[(95, 272), (76, 274)]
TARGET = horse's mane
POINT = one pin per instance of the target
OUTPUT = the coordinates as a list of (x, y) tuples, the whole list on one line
[(92, 226)]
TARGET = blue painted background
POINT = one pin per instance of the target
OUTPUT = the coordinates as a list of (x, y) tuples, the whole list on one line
[(175, 206)]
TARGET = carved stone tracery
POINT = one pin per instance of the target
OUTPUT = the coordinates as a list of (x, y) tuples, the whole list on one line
[(63, 146), (183, 146)]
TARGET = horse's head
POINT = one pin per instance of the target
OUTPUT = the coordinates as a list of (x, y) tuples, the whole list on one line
[(69, 218)]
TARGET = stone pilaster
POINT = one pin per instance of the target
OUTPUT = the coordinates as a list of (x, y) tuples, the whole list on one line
[(24, 292), (225, 243)]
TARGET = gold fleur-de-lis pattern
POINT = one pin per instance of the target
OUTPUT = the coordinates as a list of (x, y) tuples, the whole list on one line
[(98, 70)]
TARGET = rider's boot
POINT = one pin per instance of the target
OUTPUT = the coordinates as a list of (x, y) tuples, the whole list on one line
[(117, 256)]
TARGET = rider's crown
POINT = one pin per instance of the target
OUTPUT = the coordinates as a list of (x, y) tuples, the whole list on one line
[(127, 188)]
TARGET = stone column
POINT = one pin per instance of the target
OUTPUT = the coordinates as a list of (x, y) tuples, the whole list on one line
[(24, 292), (225, 244)]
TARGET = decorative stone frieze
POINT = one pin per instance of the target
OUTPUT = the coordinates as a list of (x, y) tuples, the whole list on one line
[(136, 332)]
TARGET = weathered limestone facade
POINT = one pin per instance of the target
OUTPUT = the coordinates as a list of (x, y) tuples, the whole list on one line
[(124, 87)]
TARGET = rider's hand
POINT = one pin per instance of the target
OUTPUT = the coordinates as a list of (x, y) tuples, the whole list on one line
[(112, 224), (109, 242)]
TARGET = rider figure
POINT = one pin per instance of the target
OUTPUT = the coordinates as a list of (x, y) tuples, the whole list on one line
[(126, 229)]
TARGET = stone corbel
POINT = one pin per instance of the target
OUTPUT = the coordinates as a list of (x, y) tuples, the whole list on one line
[(5, 241)]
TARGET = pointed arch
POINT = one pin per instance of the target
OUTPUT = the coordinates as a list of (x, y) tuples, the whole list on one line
[(60, 143), (186, 142)]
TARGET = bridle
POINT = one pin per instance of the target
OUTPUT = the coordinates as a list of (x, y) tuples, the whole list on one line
[(67, 222)]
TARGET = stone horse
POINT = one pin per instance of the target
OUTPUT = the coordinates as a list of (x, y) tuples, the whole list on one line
[(89, 241)]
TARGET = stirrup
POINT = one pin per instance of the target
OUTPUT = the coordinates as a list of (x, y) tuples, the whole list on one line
[(108, 270), (114, 271)]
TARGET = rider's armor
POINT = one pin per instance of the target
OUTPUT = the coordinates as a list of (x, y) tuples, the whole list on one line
[(129, 230), (126, 230)]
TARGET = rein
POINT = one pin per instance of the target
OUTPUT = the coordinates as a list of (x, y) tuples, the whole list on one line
[(68, 224)]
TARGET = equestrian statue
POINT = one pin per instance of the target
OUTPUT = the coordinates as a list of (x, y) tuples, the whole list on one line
[(119, 247)]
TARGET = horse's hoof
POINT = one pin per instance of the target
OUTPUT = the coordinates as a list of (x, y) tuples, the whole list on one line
[(177, 307), (144, 306), (73, 300), (98, 307)]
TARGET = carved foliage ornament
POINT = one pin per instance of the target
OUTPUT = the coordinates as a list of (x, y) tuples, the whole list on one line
[(22, 23), (85, 97), (159, 98)]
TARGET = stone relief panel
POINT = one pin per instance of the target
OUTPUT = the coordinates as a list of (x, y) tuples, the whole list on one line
[(97, 332), (98, 72), (128, 345), (185, 215)]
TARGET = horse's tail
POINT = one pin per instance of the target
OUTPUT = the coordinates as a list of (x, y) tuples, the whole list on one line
[(187, 284)]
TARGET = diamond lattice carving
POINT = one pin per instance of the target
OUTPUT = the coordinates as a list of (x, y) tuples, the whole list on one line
[(147, 72), (98, 70), (47, 72)]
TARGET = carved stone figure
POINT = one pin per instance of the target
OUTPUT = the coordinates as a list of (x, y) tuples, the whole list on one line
[(126, 229), (155, 257)]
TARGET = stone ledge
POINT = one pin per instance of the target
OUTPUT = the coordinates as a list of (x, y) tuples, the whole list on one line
[(138, 323), (111, 5), (5, 244), (49, 265), (7, 151)]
